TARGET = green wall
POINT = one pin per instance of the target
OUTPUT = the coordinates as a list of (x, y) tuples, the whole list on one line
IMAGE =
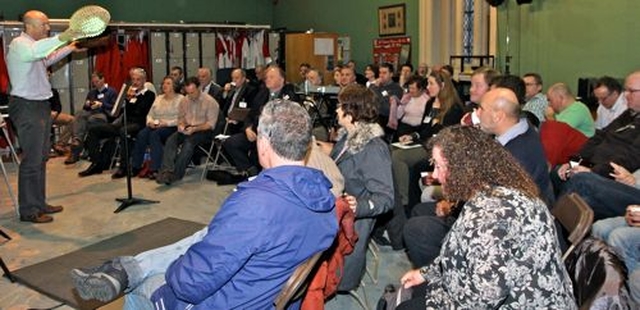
[(356, 18), (214, 11), (567, 39)]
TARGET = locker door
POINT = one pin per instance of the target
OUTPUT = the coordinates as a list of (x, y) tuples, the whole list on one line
[(159, 67), (176, 47), (65, 98), (192, 67), (158, 45), (79, 97), (208, 45), (80, 69), (192, 45)]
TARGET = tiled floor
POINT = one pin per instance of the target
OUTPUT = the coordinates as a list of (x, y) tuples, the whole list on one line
[(88, 218)]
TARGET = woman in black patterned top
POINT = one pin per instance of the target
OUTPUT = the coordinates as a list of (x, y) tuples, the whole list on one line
[(502, 252)]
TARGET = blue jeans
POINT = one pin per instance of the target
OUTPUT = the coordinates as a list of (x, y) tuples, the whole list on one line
[(625, 240), (179, 149), (154, 139), (146, 270), (606, 197)]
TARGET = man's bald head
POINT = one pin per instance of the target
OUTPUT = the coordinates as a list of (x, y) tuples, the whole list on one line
[(499, 110), (36, 24)]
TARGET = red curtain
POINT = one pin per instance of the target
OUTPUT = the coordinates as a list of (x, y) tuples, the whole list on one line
[(109, 62), (137, 55), (4, 75)]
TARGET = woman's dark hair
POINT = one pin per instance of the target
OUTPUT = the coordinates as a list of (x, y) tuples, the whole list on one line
[(375, 69), (358, 101), (418, 80), (476, 161)]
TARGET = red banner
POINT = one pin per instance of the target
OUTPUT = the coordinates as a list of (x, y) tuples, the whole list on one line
[(395, 51)]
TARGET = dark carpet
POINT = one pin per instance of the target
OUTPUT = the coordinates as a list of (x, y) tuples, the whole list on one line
[(52, 278)]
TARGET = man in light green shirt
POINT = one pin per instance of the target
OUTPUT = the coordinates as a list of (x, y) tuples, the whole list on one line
[(568, 110)]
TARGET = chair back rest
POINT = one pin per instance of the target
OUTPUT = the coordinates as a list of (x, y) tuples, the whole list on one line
[(575, 215), (297, 283)]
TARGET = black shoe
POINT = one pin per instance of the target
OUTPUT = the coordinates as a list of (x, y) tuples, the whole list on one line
[(93, 169), (381, 240), (215, 175), (38, 218), (228, 178), (103, 283), (72, 159), (119, 174)]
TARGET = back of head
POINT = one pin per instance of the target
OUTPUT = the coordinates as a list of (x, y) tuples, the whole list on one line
[(506, 100), (287, 127), (476, 161), (610, 83), (561, 89), (512, 82), (488, 73), (359, 102)]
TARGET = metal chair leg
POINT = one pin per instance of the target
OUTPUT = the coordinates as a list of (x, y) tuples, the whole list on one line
[(2, 265), (362, 302), (373, 275), (10, 190)]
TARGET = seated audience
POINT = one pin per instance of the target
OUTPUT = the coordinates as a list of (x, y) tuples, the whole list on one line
[(360, 79), (208, 86), (197, 117), (499, 114), (423, 70), (606, 197), (347, 76), (364, 160), (611, 101), (619, 142), (564, 107), (487, 258), (480, 84), (177, 74), (623, 235), (206, 270), (536, 101), (96, 109), (241, 147), (137, 103), (162, 122), (337, 75), (314, 77), (406, 114), (406, 71), (63, 121)]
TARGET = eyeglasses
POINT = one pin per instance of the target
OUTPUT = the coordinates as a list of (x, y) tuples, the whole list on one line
[(630, 90), (601, 99), (530, 84)]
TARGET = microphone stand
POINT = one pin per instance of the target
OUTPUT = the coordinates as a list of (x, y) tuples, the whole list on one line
[(129, 200)]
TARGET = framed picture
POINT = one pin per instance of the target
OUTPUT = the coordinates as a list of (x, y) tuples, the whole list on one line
[(391, 20)]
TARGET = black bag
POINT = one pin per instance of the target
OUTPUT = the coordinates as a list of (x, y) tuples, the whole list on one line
[(393, 296)]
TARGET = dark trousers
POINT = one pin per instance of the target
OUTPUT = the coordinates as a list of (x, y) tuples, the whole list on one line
[(606, 197), (242, 151), (32, 120), (100, 131), (154, 139), (177, 162), (424, 232)]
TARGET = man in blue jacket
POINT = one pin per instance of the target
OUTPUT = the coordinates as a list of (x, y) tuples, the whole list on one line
[(262, 232)]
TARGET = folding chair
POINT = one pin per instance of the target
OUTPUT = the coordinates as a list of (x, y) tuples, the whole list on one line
[(213, 159), (576, 217), (297, 284), (16, 160)]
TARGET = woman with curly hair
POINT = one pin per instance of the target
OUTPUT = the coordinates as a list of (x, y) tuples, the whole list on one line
[(502, 252), (364, 160)]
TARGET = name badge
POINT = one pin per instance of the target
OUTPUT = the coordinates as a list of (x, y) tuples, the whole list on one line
[(100, 96), (242, 104), (385, 93), (285, 97), (427, 120), (133, 100)]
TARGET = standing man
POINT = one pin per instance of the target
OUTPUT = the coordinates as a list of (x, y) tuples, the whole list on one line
[(611, 101), (27, 60)]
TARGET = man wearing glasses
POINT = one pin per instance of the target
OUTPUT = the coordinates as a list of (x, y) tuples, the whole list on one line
[(536, 101), (611, 101)]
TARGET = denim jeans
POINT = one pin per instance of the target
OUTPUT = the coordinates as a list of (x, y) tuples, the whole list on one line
[(625, 240), (606, 197), (146, 270), (154, 139), (179, 149)]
